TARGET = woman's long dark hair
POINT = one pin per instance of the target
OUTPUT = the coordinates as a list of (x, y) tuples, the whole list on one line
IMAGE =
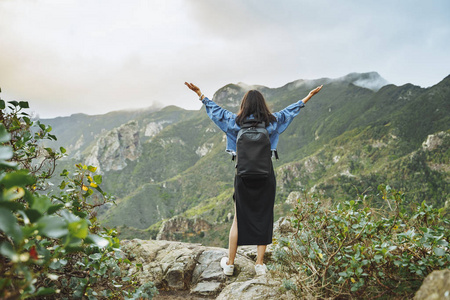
[(253, 103)]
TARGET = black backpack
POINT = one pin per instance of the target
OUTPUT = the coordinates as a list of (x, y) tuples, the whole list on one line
[(253, 153)]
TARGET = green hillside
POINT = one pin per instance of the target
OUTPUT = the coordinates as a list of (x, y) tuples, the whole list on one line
[(346, 141)]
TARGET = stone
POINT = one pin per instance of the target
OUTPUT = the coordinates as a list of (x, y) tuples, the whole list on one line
[(259, 288), (207, 288), (436, 286), (283, 226)]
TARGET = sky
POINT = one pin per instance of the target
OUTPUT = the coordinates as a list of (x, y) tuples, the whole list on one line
[(96, 56)]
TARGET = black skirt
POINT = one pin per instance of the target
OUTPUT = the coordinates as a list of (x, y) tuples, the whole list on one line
[(254, 200)]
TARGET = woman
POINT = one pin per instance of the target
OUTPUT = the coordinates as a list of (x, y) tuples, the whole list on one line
[(254, 199)]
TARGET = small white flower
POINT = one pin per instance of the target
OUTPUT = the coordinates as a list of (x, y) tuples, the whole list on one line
[(52, 276)]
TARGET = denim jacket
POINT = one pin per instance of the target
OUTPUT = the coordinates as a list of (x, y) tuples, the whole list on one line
[(226, 121)]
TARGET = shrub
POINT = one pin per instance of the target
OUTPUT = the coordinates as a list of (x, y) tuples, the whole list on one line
[(51, 245), (350, 250)]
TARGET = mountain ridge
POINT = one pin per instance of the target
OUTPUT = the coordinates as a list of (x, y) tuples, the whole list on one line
[(341, 138)]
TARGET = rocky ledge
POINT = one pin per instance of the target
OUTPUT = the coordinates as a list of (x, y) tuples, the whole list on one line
[(192, 271)]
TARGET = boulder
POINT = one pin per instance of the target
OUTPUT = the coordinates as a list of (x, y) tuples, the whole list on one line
[(259, 288), (436, 286), (183, 226)]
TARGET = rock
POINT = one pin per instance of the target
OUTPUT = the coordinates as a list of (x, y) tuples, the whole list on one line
[(436, 286), (207, 288), (434, 141), (261, 287), (293, 197), (183, 226), (115, 147), (153, 128), (188, 267), (282, 226), (204, 149)]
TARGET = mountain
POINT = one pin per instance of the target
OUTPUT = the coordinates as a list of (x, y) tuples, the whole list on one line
[(358, 132)]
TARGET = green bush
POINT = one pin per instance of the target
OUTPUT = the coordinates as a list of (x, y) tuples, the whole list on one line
[(351, 250), (51, 245)]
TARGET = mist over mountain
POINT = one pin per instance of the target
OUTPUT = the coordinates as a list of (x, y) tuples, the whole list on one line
[(170, 173)]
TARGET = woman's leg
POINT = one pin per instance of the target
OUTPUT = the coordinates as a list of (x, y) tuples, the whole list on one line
[(261, 249), (233, 240)]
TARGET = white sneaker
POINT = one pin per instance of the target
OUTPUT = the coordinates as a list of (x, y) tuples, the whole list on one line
[(227, 269), (260, 269)]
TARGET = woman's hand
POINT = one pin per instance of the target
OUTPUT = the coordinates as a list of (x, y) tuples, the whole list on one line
[(315, 91), (196, 89), (312, 93)]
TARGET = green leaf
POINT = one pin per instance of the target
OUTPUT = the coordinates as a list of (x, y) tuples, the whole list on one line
[(33, 215), (8, 164), (92, 169), (95, 239), (98, 179), (24, 104), (6, 153), (42, 291), (69, 217), (15, 103), (54, 208), (9, 225), (53, 227), (4, 134), (88, 193), (73, 249), (79, 229), (7, 250), (27, 120), (41, 203), (62, 185), (49, 150), (62, 149), (443, 243), (12, 205), (95, 256), (439, 251), (343, 274), (18, 178), (2, 104)]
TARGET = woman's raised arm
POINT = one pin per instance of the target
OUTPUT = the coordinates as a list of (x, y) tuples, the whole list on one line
[(196, 89)]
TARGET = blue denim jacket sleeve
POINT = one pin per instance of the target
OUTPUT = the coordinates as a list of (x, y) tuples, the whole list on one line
[(220, 116), (285, 116), (225, 120)]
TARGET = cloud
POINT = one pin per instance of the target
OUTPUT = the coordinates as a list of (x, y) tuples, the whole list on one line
[(97, 56)]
